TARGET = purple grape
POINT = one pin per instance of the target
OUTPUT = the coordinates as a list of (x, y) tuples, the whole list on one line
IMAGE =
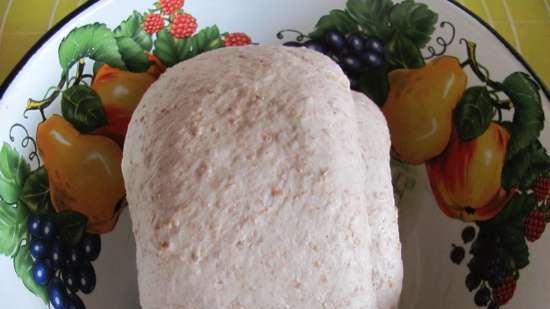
[(356, 43), (372, 60), (335, 40), (374, 44)]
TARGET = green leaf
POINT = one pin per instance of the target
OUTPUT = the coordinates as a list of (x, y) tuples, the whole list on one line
[(133, 55), (133, 42), (13, 227), (375, 85), (207, 39), (508, 226), (167, 48), (474, 112), (336, 20), (71, 226), (511, 235), (36, 192), (372, 16), (521, 256), (522, 169), (401, 52), (22, 263), (172, 51), (82, 107), (515, 246), (97, 66), (528, 113), (516, 209), (94, 41), (414, 20), (14, 169), (132, 28)]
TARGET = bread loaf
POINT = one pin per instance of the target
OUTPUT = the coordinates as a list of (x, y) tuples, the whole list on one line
[(253, 184)]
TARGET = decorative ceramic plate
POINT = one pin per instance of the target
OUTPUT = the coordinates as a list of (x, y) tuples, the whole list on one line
[(466, 116)]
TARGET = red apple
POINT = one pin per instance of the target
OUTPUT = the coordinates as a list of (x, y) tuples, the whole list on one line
[(466, 177)]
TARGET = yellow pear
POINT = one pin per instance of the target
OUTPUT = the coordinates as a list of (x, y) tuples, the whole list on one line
[(84, 172), (419, 108)]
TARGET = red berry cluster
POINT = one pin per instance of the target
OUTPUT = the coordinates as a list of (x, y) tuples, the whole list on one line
[(153, 23), (504, 292), (536, 220), (169, 7), (183, 26), (237, 39), (542, 189), (535, 224)]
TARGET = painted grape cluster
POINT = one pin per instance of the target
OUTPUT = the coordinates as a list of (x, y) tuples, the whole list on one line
[(355, 54), (491, 277), (63, 269)]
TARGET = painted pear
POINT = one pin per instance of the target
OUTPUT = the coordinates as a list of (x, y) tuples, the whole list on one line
[(466, 177), (419, 108), (84, 172), (120, 92)]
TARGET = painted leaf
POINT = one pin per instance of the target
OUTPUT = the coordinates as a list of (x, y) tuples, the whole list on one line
[(94, 41), (401, 52), (375, 85), (414, 20), (515, 245), (71, 226), (172, 51), (133, 55), (35, 195), (22, 263), (336, 20), (528, 113), (372, 16), (81, 106), (14, 169), (132, 28), (13, 227), (507, 226), (97, 66), (522, 169), (516, 209), (473, 114), (207, 39), (168, 49)]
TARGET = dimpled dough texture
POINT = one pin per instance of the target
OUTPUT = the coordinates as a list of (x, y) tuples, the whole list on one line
[(249, 187), (387, 275)]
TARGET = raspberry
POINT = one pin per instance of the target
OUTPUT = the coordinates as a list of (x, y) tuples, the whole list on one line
[(183, 26), (153, 23), (504, 292), (170, 6), (237, 39), (535, 223), (542, 188)]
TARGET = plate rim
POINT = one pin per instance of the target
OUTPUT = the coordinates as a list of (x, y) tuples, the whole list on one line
[(52, 31)]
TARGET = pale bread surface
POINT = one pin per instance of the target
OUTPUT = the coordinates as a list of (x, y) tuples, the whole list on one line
[(247, 187)]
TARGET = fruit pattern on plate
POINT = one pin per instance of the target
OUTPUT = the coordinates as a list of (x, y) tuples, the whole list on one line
[(51, 218), (380, 45), (485, 169)]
